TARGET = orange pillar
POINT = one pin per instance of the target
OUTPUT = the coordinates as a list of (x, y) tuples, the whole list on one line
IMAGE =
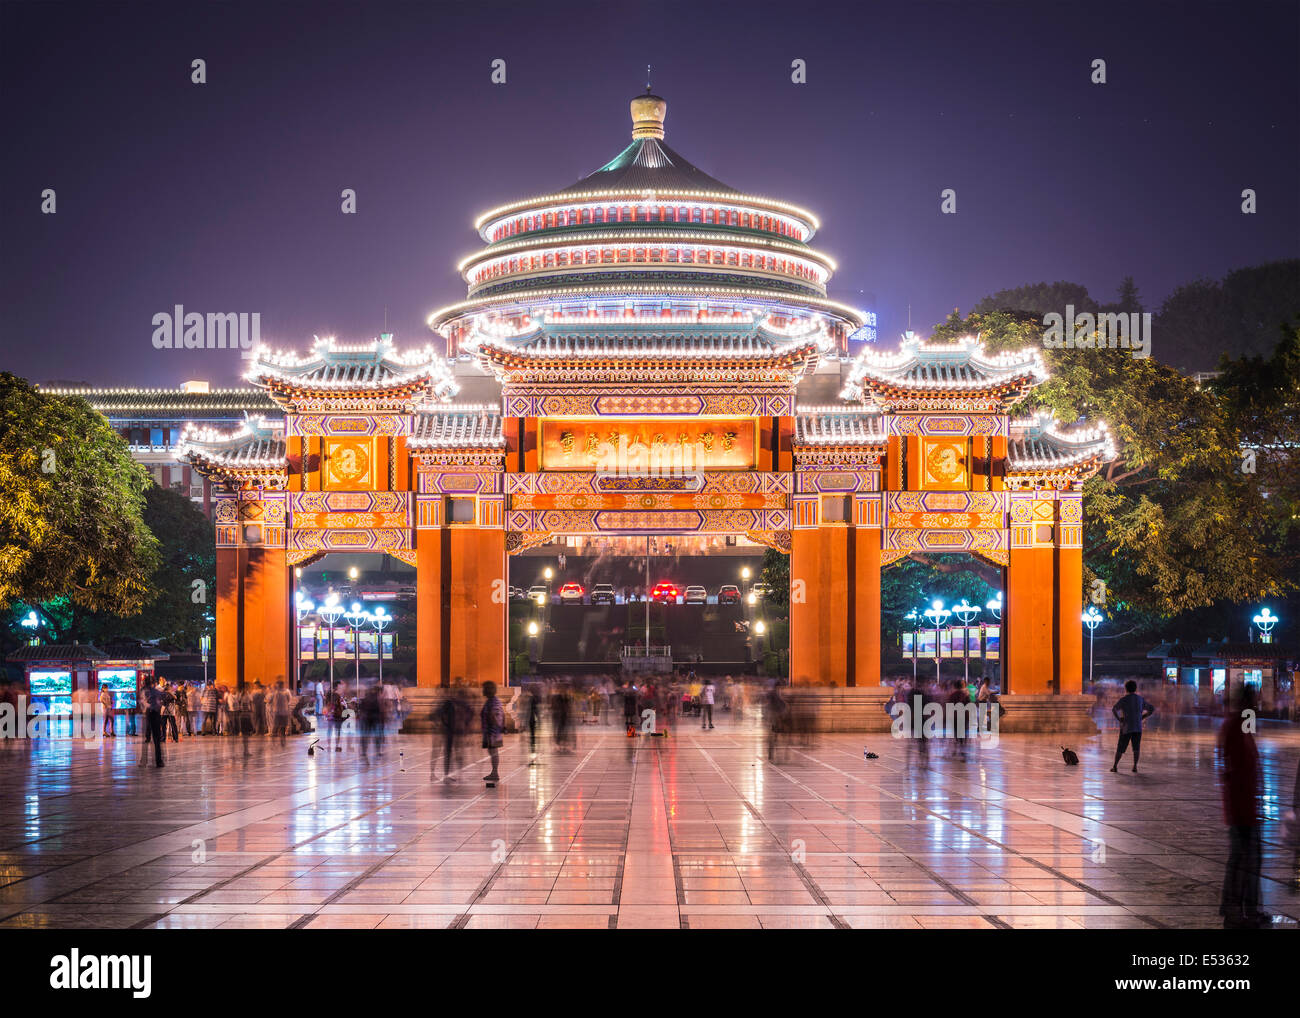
[(478, 604), (866, 606), (1031, 616), (226, 644), (1069, 602), (819, 626), (266, 615), (430, 648)]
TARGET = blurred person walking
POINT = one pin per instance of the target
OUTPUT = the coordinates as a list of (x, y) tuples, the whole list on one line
[(336, 711), (110, 713), (446, 717), (193, 710), (1242, 784), (211, 705), (1130, 711), (280, 711), (244, 716), (183, 706), (492, 719), (534, 721), (775, 714), (153, 724), (370, 718)]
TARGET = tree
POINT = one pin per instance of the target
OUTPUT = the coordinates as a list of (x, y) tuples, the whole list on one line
[(1129, 301), (1040, 299), (775, 573), (71, 500), (1172, 526), (1205, 321)]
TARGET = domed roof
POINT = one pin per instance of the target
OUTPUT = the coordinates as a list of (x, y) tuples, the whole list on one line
[(648, 164)]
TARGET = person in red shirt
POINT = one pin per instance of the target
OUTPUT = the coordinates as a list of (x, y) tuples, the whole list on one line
[(1241, 786)]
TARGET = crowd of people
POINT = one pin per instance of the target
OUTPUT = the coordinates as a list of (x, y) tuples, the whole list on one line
[(177, 710)]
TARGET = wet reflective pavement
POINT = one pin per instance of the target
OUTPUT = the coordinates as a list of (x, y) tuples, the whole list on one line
[(696, 830)]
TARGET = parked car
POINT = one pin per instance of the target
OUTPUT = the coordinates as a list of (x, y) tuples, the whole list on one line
[(518, 594), (571, 593), (696, 594), (728, 593), (540, 593), (758, 591), (664, 592), (603, 593)]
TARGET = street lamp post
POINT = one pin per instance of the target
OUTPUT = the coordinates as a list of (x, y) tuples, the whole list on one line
[(744, 580), (1265, 621), (357, 619), (1092, 619), (301, 606), (938, 614), (330, 612), (380, 619), (914, 617), (994, 608), (966, 612)]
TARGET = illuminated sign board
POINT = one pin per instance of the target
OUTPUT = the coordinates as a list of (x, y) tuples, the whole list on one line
[(662, 446)]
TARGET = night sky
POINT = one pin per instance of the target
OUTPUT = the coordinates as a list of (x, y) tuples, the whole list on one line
[(225, 196)]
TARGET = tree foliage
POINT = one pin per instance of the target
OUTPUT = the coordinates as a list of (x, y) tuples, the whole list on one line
[(1173, 522), (71, 503), (1205, 321)]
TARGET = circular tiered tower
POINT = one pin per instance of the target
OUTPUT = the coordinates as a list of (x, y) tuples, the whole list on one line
[(647, 237)]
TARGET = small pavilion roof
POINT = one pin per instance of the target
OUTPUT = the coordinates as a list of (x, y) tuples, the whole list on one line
[(368, 369), (918, 372), (256, 449), (1037, 448)]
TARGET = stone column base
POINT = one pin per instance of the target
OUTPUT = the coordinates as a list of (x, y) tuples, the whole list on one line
[(840, 709), (1067, 712)]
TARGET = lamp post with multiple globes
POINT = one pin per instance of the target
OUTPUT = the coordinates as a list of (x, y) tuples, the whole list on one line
[(937, 614)]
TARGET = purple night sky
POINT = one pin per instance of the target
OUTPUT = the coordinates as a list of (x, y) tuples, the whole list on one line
[(225, 196)]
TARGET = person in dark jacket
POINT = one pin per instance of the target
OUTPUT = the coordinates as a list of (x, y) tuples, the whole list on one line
[(1241, 783), (492, 719), (534, 721), (447, 719), (371, 719), (153, 727)]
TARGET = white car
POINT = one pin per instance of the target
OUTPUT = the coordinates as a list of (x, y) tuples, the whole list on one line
[(696, 595), (540, 593)]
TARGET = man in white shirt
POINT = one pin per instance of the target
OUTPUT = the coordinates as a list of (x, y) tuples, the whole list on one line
[(706, 704)]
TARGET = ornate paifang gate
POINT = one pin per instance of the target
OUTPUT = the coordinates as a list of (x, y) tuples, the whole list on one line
[(649, 328)]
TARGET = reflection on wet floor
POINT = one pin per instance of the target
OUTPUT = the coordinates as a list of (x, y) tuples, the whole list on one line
[(696, 830)]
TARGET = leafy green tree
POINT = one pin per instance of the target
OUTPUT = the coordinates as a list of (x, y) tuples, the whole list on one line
[(775, 572), (1172, 525), (71, 503)]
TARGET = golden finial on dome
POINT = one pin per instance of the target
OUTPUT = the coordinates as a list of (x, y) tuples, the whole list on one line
[(648, 112)]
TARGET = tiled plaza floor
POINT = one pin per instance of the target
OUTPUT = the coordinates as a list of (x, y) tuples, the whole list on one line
[(698, 830)]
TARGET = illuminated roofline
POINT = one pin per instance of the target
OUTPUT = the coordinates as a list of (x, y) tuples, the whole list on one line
[(683, 236), (452, 311), (725, 197)]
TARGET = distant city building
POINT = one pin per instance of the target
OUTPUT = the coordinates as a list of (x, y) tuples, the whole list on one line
[(150, 421)]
